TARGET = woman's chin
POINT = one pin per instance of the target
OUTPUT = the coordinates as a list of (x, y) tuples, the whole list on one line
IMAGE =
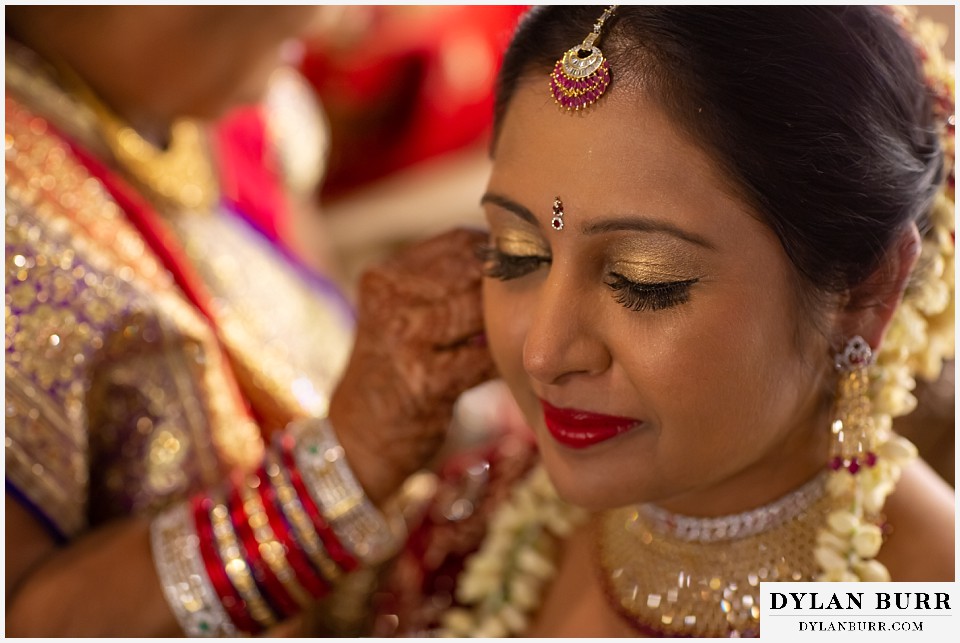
[(587, 492), (596, 481)]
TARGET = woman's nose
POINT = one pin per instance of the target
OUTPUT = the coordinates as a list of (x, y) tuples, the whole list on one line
[(562, 339)]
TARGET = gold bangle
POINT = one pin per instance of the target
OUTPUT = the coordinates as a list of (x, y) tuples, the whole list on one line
[(180, 568), (271, 550), (236, 567), (303, 527)]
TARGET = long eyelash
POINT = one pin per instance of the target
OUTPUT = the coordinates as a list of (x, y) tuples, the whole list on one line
[(640, 297), (500, 265)]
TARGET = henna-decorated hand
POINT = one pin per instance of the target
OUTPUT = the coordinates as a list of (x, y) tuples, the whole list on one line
[(419, 345)]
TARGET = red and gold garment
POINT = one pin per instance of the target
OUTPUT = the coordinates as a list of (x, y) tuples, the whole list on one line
[(147, 348)]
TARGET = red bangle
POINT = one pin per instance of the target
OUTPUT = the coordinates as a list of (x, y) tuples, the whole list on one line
[(276, 594), (335, 549), (229, 597), (310, 578)]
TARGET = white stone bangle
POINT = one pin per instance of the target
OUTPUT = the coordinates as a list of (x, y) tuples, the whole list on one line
[(362, 528), (176, 554)]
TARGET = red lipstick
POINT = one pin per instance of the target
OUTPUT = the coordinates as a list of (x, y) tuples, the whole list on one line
[(581, 429)]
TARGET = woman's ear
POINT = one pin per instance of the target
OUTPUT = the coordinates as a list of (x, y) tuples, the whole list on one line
[(871, 304)]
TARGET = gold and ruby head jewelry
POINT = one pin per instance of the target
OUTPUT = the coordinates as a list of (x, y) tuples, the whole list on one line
[(583, 74), (557, 221)]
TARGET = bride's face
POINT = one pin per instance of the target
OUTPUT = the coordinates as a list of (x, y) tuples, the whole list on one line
[(656, 344)]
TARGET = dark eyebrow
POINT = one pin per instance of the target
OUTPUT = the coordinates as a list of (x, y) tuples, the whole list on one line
[(511, 206), (644, 224), (637, 224)]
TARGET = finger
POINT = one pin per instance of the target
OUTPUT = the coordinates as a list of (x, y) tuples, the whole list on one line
[(447, 323), (439, 323), (439, 255), (438, 376), (478, 338), (428, 271), (381, 292), (455, 371)]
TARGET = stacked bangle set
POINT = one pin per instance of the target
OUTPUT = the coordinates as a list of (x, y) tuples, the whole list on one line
[(244, 560)]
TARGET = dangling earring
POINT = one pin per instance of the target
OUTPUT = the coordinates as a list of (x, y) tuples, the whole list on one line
[(852, 429)]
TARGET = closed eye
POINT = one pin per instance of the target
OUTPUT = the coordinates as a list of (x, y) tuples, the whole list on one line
[(500, 265), (649, 296)]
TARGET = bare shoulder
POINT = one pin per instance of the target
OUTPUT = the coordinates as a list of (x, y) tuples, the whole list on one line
[(921, 513)]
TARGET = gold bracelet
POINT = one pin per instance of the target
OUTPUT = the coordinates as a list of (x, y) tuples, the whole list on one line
[(360, 526), (236, 567), (302, 525), (271, 550), (180, 568)]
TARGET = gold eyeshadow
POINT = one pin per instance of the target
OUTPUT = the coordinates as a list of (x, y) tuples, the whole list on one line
[(652, 261), (639, 258), (521, 244), (649, 271)]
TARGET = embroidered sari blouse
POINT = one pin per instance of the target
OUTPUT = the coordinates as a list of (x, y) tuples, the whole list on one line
[(121, 397)]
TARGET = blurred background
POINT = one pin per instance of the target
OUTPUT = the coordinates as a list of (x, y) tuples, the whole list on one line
[(392, 106), (407, 94)]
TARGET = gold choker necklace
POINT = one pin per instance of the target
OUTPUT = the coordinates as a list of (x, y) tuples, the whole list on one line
[(180, 175), (682, 576)]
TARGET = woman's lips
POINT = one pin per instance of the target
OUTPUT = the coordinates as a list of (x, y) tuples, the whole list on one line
[(581, 429)]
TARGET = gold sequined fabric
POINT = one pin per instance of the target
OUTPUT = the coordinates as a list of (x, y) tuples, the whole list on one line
[(119, 396), (289, 342)]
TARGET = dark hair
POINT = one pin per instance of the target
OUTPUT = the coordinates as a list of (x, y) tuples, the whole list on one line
[(819, 115)]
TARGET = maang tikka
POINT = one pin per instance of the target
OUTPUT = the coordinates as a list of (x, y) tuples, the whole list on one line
[(852, 430), (583, 74)]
